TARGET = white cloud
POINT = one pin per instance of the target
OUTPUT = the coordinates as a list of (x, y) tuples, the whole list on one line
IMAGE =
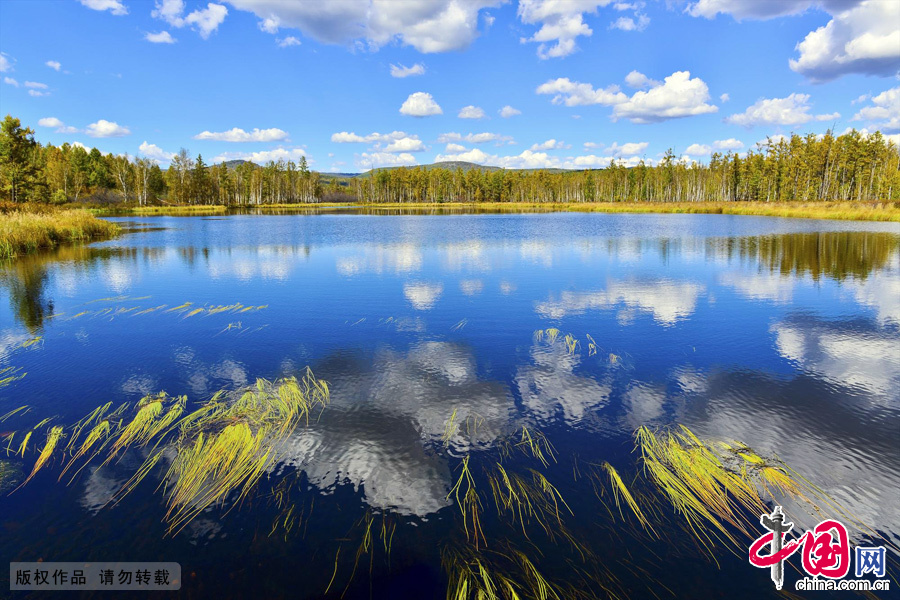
[(420, 104), (55, 65), (627, 149), (269, 25), (401, 71), (205, 21), (638, 23), (697, 150), (508, 111), (884, 112), (861, 39), (396, 141), (373, 160), (114, 6), (163, 37), (793, 110), (50, 122), (639, 81), (471, 112), (550, 144), (154, 152), (406, 144), (526, 160), (426, 25), (288, 42), (104, 129), (752, 9), (677, 96), (239, 135), (591, 161), (475, 155), (36, 85), (562, 22), (475, 138), (829, 117), (56, 124), (729, 144), (455, 148), (863, 36), (725, 97), (37, 94), (574, 93), (5, 64), (10, 81), (263, 156)]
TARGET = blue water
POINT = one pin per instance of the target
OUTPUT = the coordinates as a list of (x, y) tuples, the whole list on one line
[(792, 350)]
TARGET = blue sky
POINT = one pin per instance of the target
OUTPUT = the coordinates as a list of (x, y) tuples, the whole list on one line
[(583, 81)]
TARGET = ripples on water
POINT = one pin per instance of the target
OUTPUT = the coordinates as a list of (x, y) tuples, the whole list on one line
[(780, 333)]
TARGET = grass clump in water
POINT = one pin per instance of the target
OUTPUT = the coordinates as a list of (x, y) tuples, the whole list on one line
[(23, 232)]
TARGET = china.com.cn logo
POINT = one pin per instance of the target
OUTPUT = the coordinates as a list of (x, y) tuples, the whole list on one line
[(825, 552)]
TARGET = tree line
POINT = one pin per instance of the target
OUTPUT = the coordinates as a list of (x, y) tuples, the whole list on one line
[(852, 166)]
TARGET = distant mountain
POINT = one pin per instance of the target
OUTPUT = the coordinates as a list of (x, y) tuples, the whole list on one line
[(234, 164)]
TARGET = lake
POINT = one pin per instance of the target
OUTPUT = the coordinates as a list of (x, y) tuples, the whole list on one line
[(447, 343)]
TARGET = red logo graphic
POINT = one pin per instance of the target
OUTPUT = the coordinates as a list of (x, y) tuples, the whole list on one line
[(826, 548)]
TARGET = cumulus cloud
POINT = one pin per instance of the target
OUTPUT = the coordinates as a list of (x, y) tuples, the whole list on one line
[(373, 160), (550, 144), (677, 96), (36, 85), (884, 112), (204, 21), (5, 63), (420, 104), (639, 81), (425, 25), (10, 81), (114, 6), (729, 144), (163, 37), (528, 159), (105, 129), (626, 149), (863, 36), (55, 65), (401, 71), (56, 124), (862, 39), (288, 42), (475, 138), (725, 97), (455, 148), (508, 111), (37, 94), (698, 150), (561, 24), (638, 23), (471, 112), (154, 152), (263, 156), (396, 141), (793, 110), (406, 144), (239, 135)]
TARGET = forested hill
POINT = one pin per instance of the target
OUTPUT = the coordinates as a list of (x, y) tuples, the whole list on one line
[(851, 166)]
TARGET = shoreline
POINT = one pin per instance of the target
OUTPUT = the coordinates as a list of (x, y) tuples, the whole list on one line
[(849, 211)]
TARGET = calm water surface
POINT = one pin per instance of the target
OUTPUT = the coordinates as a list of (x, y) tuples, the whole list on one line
[(780, 333)]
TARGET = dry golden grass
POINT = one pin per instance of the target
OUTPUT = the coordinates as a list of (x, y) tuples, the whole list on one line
[(23, 232), (851, 211)]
